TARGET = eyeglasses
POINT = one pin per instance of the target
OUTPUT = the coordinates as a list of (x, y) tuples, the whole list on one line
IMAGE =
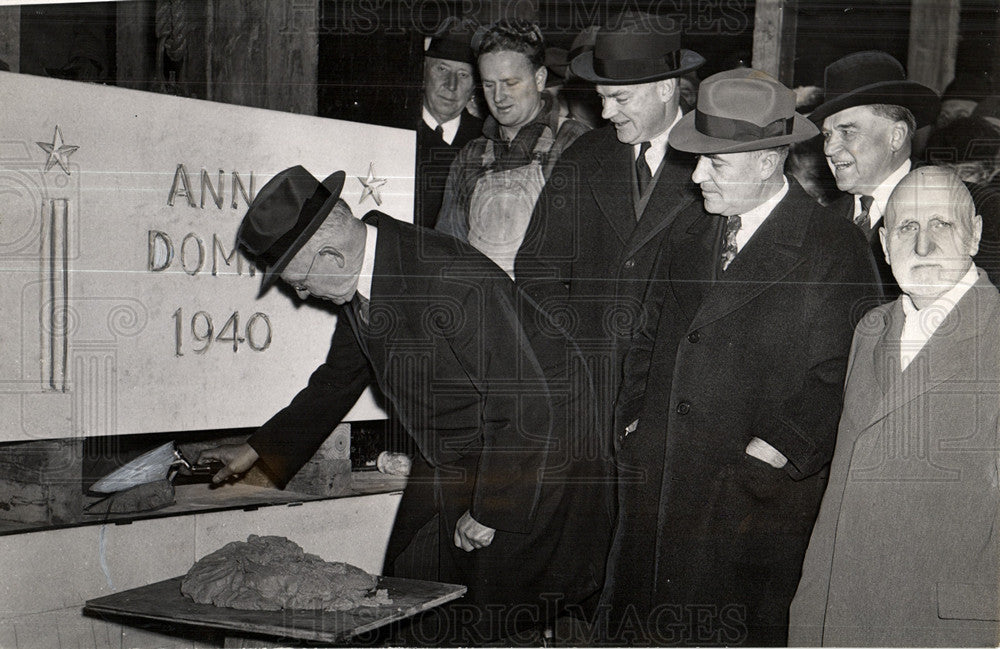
[(299, 287)]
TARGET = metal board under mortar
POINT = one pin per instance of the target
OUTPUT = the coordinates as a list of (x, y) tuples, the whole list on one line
[(101, 187)]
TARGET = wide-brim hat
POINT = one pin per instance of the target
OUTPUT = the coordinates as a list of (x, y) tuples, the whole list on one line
[(741, 110), (639, 48), (874, 77), (286, 212)]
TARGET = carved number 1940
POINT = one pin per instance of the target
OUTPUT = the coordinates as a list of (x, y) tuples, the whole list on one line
[(256, 334)]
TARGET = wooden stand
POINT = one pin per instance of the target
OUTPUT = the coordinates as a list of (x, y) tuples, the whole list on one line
[(163, 602)]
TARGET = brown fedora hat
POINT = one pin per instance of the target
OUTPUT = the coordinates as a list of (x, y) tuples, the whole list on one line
[(741, 110), (284, 214), (639, 48), (873, 77)]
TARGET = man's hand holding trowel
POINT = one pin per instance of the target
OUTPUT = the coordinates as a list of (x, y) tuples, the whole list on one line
[(237, 458)]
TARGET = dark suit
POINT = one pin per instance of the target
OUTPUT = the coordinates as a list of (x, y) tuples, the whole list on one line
[(586, 259), (709, 540), (434, 158), (890, 289), (499, 410)]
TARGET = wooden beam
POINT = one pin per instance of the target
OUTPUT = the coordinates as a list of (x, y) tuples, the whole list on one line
[(135, 44), (10, 37), (933, 42), (775, 24), (264, 53)]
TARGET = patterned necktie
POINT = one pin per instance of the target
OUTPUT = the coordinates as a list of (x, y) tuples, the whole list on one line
[(729, 248), (643, 175), (862, 220)]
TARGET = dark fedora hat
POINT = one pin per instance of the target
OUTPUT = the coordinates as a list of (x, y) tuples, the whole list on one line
[(873, 77), (286, 212), (741, 110), (454, 43), (635, 48)]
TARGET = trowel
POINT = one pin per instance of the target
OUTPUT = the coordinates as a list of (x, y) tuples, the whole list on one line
[(162, 463)]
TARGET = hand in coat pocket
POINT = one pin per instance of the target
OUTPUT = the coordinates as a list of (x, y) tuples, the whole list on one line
[(764, 452)]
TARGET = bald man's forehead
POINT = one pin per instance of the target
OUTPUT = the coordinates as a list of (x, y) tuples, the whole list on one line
[(931, 190)]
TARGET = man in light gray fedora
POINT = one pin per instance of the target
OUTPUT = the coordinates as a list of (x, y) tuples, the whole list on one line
[(731, 393)]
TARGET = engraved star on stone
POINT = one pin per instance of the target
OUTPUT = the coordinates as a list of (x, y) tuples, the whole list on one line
[(372, 186), (59, 153)]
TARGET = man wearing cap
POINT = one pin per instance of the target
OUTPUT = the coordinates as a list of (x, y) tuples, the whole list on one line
[(868, 118), (731, 393), (445, 126), (522, 506), (495, 180), (905, 551), (604, 212)]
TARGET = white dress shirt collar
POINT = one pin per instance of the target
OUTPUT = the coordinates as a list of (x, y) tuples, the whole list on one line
[(882, 193), (751, 220), (368, 263), (657, 146), (449, 128), (920, 324)]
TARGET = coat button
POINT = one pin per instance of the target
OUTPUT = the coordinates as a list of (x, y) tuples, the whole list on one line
[(694, 337), (683, 408), (630, 264)]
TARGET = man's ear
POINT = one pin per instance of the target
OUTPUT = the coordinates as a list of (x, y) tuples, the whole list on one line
[(666, 89), (541, 74), (899, 135), (767, 163), (977, 234), (335, 254), (885, 247)]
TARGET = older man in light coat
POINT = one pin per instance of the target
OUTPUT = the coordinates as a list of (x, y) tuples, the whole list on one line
[(906, 549)]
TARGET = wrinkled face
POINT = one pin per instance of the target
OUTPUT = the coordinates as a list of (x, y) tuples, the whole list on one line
[(929, 239), (513, 88), (329, 263), (638, 112), (447, 87), (730, 182), (857, 145), (952, 109)]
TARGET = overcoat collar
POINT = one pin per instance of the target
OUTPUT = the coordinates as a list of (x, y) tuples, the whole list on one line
[(771, 254), (611, 186), (954, 347)]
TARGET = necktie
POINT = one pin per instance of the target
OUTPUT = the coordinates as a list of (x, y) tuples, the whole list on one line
[(440, 131), (862, 220), (729, 248), (642, 173)]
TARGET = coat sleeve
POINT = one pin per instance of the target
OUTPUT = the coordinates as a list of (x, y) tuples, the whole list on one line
[(287, 440), (516, 415), (804, 426)]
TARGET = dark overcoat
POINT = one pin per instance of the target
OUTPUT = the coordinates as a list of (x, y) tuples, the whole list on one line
[(906, 550), (590, 247), (709, 540), (498, 409), (434, 158)]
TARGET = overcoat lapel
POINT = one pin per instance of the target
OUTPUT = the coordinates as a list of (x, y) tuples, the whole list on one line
[(611, 189), (771, 254), (951, 349), (666, 200)]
